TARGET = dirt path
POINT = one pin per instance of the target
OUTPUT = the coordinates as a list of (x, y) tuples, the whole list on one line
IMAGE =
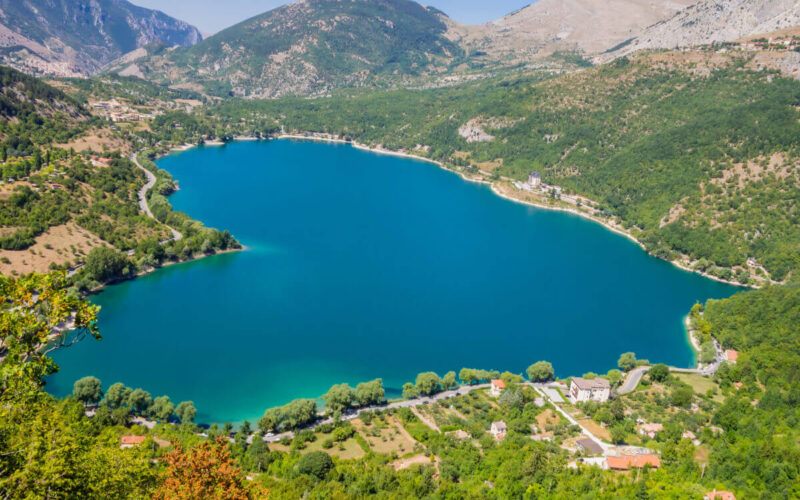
[(425, 420)]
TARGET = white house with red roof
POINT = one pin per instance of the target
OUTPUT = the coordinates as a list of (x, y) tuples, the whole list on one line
[(497, 387)]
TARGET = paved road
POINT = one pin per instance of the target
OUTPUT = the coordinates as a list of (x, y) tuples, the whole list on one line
[(143, 206), (632, 379), (460, 391)]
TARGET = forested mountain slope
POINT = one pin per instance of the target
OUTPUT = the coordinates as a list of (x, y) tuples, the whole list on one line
[(78, 37), (696, 153), (312, 46)]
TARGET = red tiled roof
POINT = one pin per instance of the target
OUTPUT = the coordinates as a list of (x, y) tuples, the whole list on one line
[(732, 354), (628, 461), (133, 439), (724, 495), (499, 383)]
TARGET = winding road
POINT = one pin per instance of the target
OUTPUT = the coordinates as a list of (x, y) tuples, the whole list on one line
[(632, 379), (143, 206)]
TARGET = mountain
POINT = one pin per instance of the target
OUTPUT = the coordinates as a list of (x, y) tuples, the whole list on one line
[(311, 47), (78, 37), (710, 21), (586, 26)]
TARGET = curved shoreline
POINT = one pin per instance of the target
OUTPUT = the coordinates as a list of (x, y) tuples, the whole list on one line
[(493, 186)]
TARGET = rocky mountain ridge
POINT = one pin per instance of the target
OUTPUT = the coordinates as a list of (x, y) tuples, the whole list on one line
[(710, 21), (78, 37)]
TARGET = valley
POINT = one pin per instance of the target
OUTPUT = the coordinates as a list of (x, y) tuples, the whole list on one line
[(617, 255)]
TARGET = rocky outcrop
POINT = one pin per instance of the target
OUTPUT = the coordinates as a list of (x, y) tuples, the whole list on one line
[(78, 37), (710, 21)]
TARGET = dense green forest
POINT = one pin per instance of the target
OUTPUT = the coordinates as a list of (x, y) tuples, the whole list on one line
[(696, 163)]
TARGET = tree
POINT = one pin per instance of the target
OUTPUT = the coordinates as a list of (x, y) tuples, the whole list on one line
[(541, 371), (118, 395), (316, 464), (627, 361), (511, 399), (449, 380), (339, 397), (409, 391), (33, 309), (257, 456), (428, 383), (186, 411), (614, 377), (617, 409), (370, 393), (467, 376), (246, 428), (682, 396), (707, 351), (121, 416), (140, 401), (162, 408), (658, 373), (266, 423), (291, 416), (87, 390), (104, 264), (205, 471)]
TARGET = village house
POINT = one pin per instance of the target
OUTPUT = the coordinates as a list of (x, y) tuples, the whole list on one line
[(497, 387), (628, 462), (581, 389), (131, 441), (650, 430), (722, 495), (731, 355), (498, 430)]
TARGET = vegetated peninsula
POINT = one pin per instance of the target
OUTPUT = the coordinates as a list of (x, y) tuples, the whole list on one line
[(692, 151)]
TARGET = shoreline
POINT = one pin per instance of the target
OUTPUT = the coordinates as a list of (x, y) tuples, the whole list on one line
[(496, 191), (140, 274)]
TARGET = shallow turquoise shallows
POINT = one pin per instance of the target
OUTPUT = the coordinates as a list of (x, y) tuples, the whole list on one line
[(361, 266)]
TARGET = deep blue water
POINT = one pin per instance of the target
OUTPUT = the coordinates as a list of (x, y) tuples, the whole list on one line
[(361, 266)]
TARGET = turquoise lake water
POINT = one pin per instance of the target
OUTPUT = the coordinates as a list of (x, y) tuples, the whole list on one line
[(361, 266)]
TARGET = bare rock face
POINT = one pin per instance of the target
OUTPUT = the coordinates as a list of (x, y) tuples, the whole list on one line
[(710, 21), (587, 26), (78, 37)]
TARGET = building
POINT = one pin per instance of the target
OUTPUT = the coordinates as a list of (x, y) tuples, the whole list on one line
[(498, 430), (731, 355), (131, 441), (589, 446), (650, 430), (628, 462), (497, 387), (722, 495), (597, 389), (534, 180)]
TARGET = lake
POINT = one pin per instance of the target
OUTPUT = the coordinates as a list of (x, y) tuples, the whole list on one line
[(360, 266)]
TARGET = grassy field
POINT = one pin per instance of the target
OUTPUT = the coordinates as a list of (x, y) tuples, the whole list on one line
[(701, 384)]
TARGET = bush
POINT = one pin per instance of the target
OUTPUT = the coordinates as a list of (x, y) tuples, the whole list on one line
[(316, 464)]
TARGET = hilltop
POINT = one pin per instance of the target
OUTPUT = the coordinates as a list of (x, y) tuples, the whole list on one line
[(311, 47), (314, 47), (78, 37)]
